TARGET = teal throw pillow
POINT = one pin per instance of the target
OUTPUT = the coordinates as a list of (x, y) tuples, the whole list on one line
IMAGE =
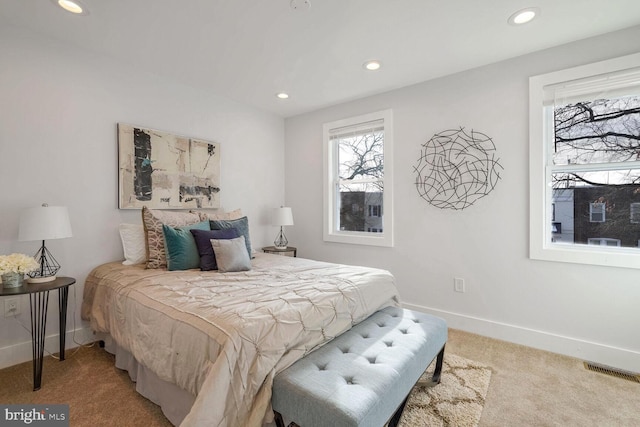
[(180, 246)]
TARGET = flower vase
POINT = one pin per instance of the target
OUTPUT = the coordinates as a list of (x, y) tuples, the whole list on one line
[(12, 280)]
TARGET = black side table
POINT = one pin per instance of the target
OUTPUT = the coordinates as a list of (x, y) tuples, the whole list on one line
[(39, 298), (289, 251)]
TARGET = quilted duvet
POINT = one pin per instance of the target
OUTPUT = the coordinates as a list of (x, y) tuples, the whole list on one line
[(223, 336)]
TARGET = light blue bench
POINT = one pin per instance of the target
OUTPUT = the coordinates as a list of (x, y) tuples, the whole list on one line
[(364, 376)]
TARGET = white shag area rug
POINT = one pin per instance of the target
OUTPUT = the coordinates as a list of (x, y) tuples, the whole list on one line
[(458, 399)]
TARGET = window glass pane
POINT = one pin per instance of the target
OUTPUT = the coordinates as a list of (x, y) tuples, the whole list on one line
[(596, 178), (597, 131), (595, 214), (361, 156), (356, 202)]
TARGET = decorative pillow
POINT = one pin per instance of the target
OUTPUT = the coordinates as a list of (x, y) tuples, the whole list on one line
[(152, 220), (231, 254), (216, 216), (182, 252), (203, 242), (240, 224), (133, 243)]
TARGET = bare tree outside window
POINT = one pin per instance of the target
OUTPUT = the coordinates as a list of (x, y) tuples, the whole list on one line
[(362, 157), (600, 131)]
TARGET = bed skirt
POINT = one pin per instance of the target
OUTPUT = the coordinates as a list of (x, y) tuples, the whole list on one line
[(174, 401)]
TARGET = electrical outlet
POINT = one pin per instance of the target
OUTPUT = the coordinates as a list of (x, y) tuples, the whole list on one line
[(458, 285), (11, 307)]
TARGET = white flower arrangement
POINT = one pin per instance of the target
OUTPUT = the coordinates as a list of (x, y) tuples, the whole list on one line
[(17, 263)]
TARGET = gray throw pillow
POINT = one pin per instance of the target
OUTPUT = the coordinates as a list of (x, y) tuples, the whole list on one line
[(231, 254)]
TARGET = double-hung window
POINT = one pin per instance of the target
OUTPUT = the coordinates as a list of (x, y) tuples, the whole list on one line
[(596, 212), (358, 155), (585, 163)]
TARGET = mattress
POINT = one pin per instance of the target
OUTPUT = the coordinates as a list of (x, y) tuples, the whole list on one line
[(222, 337)]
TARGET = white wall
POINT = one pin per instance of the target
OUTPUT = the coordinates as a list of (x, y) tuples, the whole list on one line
[(58, 112), (584, 311)]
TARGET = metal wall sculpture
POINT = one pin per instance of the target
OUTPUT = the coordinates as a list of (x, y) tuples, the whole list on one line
[(161, 170), (457, 168)]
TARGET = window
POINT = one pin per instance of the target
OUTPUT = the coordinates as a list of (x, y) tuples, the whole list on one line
[(584, 163), (601, 241), (358, 180), (634, 214), (596, 212)]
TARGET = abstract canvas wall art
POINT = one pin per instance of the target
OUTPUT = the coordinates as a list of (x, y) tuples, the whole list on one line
[(165, 171)]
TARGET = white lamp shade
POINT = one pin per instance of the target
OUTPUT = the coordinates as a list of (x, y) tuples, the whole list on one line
[(282, 216), (45, 223)]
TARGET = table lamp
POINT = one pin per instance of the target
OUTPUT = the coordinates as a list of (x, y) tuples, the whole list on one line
[(281, 216), (44, 223)]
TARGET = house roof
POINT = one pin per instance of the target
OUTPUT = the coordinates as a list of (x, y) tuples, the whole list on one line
[(249, 50)]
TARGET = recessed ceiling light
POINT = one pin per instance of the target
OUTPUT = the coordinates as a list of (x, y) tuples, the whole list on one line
[(300, 5), (74, 6), (523, 16), (282, 95), (372, 65)]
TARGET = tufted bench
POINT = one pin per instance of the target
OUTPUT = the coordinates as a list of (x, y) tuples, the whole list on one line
[(364, 376)]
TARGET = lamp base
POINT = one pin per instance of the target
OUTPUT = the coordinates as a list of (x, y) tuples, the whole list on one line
[(44, 279), (48, 267), (281, 241)]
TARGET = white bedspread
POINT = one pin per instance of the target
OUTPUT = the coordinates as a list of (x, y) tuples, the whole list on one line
[(223, 337)]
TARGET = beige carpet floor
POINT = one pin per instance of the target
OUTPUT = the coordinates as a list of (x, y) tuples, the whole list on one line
[(528, 387), (531, 387), (98, 394)]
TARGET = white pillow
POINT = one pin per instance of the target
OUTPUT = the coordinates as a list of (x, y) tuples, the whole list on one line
[(133, 243)]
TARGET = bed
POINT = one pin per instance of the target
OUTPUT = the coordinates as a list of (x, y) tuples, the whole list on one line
[(206, 345)]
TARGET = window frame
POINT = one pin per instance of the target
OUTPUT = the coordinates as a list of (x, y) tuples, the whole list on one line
[(541, 248), (330, 211)]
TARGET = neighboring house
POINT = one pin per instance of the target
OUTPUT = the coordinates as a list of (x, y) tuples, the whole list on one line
[(605, 215), (562, 216), (361, 211)]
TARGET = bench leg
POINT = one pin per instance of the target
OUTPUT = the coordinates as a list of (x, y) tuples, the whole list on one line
[(436, 373), (280, 422), (435, 379), (393, 422), (278, 419)]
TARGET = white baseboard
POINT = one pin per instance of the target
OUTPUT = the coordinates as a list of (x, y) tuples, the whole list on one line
[(621, 358), (616, 357), (22, 352)]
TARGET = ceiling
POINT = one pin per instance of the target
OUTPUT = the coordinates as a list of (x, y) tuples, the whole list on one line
[(249, 50)]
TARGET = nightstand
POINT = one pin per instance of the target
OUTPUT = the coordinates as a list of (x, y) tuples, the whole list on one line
[(39, 298), (290, 251)]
